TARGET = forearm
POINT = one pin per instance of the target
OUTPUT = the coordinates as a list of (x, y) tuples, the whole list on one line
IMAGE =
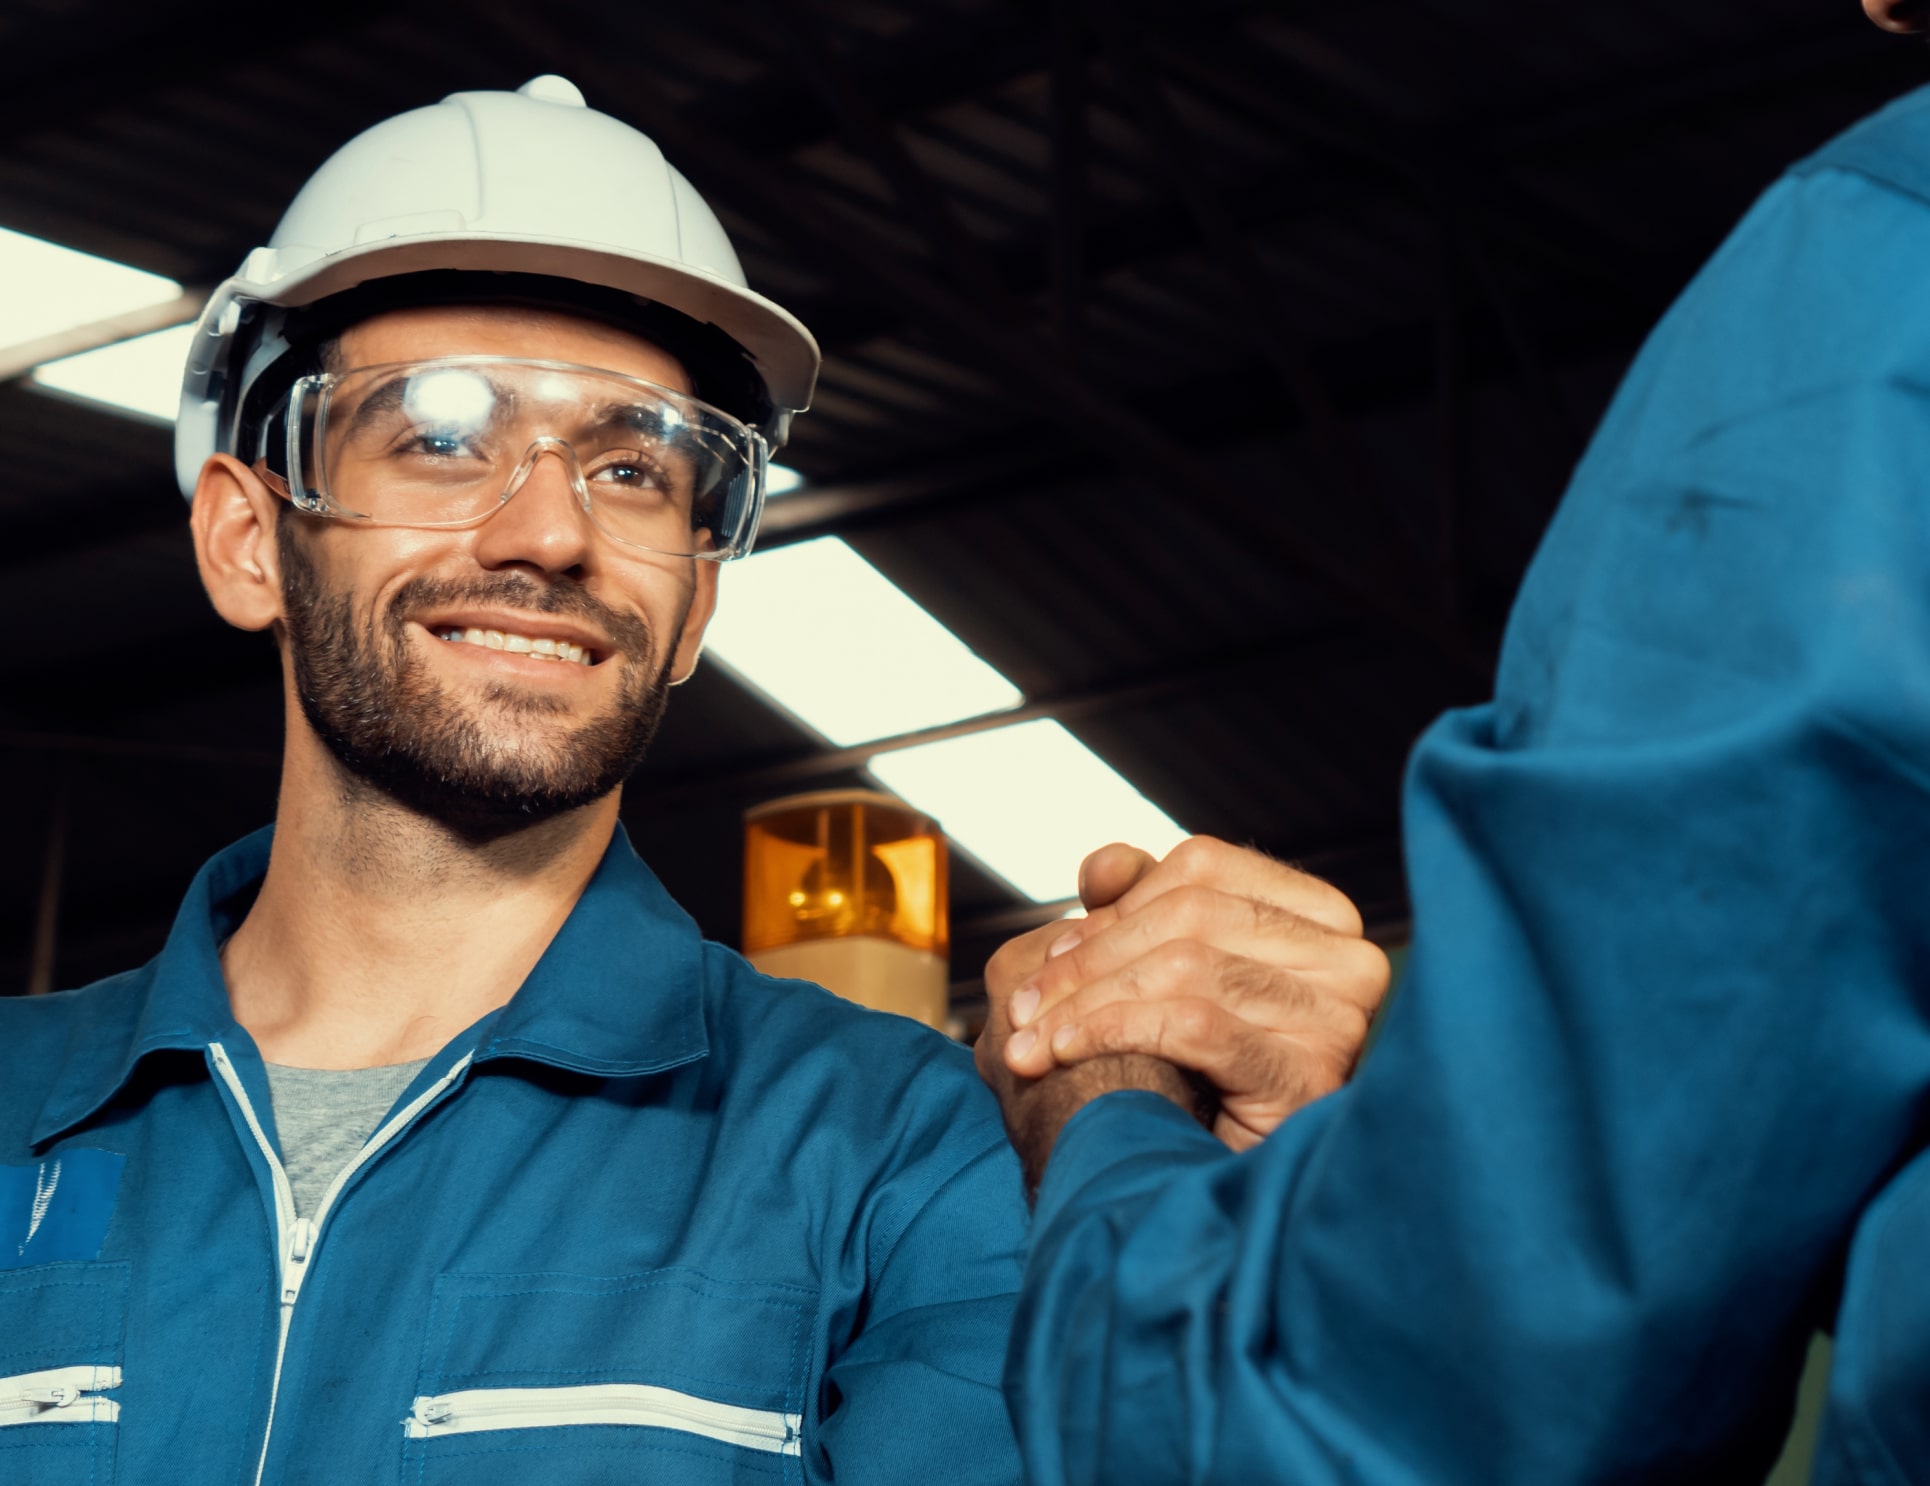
[(1035, 1117)]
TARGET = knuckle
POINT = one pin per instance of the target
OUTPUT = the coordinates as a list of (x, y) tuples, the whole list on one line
[(1373, 970), (1196, 855), (1182, 959), (1192, 905), (1192, 1022)]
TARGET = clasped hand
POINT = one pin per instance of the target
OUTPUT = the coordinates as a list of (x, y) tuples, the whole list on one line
[(1246, 974)]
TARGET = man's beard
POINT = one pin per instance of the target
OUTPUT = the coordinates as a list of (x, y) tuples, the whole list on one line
[(370, 700)]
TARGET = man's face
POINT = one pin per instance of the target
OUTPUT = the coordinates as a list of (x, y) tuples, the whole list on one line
[(382, 624)]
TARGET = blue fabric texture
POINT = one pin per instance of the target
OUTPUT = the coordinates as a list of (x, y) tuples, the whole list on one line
[(659, 1169), (1652, 1096)]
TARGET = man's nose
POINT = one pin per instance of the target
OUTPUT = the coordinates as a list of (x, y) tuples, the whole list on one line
[(543, 522)]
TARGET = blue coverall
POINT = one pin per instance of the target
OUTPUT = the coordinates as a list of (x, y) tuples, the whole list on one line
[(657, 1219), (1651, 1103)]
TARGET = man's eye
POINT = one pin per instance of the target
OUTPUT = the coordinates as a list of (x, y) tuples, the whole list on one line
[(439, 445), (635, 476)]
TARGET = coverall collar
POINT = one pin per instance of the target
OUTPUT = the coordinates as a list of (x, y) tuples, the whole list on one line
[(617, 993)]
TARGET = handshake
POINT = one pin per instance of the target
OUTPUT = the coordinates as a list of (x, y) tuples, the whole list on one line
[(1230, 983)]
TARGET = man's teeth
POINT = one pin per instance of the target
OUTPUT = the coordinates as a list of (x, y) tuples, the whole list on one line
[(496, 639)]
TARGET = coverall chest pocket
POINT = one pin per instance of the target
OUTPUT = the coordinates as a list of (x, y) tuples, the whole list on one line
[(60, 1367), (667, 1376)]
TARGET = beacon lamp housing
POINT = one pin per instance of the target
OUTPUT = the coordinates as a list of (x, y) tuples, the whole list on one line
[(848, 888)]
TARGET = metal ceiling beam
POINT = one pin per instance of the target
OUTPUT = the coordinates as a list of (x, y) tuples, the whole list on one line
[(1399, 152), (876, 138), (1035, 264), (70, 72), (1071, 152), (1253, 297)]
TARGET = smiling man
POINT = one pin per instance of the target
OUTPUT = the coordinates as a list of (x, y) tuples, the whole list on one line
[(436, 1144)]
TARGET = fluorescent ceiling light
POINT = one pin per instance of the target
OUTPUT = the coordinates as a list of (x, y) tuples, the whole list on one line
[(141, 376), (52, 289), (831, 640), (781, 479), (1029, 802)]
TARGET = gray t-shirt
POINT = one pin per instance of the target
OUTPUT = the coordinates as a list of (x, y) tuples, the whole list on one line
[(324, 1116)]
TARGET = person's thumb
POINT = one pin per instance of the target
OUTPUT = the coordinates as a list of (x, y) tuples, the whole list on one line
[(1105, 875)]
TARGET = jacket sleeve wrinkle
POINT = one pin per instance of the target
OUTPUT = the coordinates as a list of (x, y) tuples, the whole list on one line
[(915, 1394)]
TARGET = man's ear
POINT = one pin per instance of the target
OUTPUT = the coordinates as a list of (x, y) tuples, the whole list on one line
[(1898, 15), (233, 521), (703, 604)]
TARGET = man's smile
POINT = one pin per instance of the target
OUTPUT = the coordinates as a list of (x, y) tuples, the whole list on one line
[(521, 643), (512, 643)]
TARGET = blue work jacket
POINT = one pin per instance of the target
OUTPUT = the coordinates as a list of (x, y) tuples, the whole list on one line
[(1652, 1102), (659, 1218)]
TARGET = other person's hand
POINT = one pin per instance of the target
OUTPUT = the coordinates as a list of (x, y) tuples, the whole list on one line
[(1248, 975)]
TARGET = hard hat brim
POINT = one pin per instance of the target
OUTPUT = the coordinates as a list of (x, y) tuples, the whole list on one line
[(786, 354)]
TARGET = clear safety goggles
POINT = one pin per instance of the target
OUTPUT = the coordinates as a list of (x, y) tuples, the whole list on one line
[(447, 443)]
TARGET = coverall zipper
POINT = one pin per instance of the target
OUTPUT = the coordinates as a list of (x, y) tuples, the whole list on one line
[(297, 1237), (477, 1409), (59, 1395)]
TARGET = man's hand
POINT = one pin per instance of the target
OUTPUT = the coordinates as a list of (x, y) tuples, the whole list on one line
[(1246, 974), (1036, 1109)]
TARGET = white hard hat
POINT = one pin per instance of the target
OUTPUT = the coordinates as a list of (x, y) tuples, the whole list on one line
[(526, 183)]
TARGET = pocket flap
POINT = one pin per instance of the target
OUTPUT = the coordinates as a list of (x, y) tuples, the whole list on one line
[(62, 1315), (725, 1340)]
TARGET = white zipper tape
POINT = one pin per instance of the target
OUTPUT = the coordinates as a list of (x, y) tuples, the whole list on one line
[(295, 1237), (477, 1409), (59, 1395)]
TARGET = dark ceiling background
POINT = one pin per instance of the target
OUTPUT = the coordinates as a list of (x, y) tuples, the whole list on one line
[(1211, 367)]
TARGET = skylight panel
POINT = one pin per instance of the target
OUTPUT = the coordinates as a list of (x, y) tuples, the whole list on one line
[(1029, 802), (54, 289), (141, 376), (827, 637)]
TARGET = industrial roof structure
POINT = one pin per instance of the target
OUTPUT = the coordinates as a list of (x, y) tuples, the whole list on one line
[(1210, 368)]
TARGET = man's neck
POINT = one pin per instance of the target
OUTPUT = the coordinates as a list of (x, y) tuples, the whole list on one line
[(379, 934)]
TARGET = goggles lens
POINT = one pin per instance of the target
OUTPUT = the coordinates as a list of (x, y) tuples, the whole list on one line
[(445, 443)]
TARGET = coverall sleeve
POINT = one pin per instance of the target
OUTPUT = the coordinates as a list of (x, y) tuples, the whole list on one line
[(917, 1391), (1664, 1026)]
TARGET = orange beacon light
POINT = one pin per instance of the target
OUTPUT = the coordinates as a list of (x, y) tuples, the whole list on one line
[(848, 888)]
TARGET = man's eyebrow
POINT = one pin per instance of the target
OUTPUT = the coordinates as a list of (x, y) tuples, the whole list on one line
[(384, 399), (631, 412), (390, 395)]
